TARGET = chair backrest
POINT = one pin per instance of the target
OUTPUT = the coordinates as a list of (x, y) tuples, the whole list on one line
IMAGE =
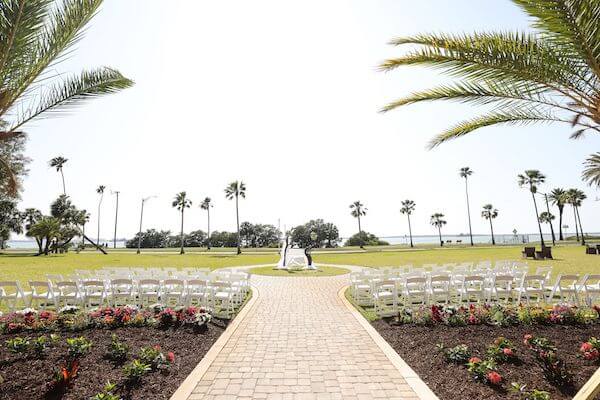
[(567, 281), (10, 288), (93, 286), (121, 285), (534, 281), (473, 282), (67, 287), (40, 287), (544, 270)]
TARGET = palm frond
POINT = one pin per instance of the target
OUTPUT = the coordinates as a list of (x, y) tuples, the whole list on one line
[(591, 172), (494, 118), (74, 90)]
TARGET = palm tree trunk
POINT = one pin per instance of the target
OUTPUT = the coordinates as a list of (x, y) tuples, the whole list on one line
[(492, 230), (98, 232), (116, 220), (537, 218), (182, 251), (360, 232), (410, 231), (63, 182), (580, 227), (468, 210), (440, 234), (237, 217), (208, 229), (576, 228), (550, 221), (560, 232)]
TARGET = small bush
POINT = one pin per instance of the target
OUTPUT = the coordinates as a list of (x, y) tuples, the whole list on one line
[(590, 350), (523, 394), (502, 350), (135, 370), (458, 354), (78, 347), (107, 393), (17, 345), (484, 371), (117, 350)]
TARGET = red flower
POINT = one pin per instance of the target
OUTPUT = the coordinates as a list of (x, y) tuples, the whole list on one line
[(507, 351), (591, 355), (157, 347), (527, 338), (474, 360), (171, 357), (585, 347), (494, 378)]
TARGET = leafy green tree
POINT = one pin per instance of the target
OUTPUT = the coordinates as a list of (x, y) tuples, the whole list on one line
[(531, 179), (12, 164), (259, 235), (365, 239), (328, 234), (490, 213), (36, 35), (558, 198), (58, 163), (235, 190), (150, 239), (408, 206), (11, 220), (549, 75), (32, 216), (358, 210), (207, 205), (546, 217), (181, 202), (224, 239), (46, 230), (591, 172), (100, 190), (465, 172), (438, 221)]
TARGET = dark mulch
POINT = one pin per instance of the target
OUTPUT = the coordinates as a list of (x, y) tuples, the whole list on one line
[(25, 377), (417, 346)]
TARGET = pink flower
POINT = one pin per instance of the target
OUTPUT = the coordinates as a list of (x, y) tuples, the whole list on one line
[(591, 355), (171, 357), (474, 360), (494, 378), (585, 347), (157, 347), (507, 352), (527, 338)]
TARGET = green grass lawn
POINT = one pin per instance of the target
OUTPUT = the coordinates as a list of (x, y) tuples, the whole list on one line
[(321, 271)]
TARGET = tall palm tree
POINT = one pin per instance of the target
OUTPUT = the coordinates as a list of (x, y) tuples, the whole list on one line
[(235, 190), (100, 190), (558, 199), (575, 197), (438, 221), (490, 213), (181, 202), (531, 179), (591, 172), (36, 36), (549, 75), (408, 206), (85, 218), (58, 163), (570, 199), (206, 205), (358, 210), (465, 172)]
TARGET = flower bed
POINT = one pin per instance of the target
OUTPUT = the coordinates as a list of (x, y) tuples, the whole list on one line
[(484, 361), (125, 352)]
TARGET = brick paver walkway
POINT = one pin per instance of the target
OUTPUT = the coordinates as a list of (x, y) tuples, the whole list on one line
[(299, 341)]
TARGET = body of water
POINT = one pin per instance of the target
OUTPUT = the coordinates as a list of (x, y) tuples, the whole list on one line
[(30, 244)]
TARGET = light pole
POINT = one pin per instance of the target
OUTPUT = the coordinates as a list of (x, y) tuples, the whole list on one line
[(144, 200), (116, 192)]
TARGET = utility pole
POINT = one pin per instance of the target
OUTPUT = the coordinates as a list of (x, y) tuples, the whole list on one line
[(116, 192), (144, 200)]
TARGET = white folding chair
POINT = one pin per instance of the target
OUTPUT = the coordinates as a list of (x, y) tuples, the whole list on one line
[(472, 288), (439, 288), (68, 294), (385, 296), (590, 288), (12, 294), (532, 286), (565, 289), (197, 292), (94, 293), (42, 294), (173, 293), (415, 290), (501, 288), (121, 292), (148, 291), (222, 299)]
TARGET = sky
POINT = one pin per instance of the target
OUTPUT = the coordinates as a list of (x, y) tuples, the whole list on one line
[(285, 96)]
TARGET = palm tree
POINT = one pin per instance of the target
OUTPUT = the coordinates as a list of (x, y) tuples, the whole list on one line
[(575, 197), (100, 191), (438, 222), (546, 217), (549, 75), (558, 199), (489, 213), (58, 163), (465, 172), (408, 206), (358, 210), (206, 205), (85, 218), (36, 36), (531, 179), (570, 199), (181, 202), (236, 190), (591, 172)]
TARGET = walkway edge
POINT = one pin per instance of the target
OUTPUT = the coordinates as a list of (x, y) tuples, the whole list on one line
[(184, 391), (411, 377)]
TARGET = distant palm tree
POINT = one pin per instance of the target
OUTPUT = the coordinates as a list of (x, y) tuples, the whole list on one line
[(465, 172), (408, 206), (548, 75), (100, 190), (58, 163), (438, 221), (591, 172), (235, 190), (358, 210), (575, 197), (489, 213), (206, 205), (531, 179), (181, 202), (546, 217), (36, 36), (558, 199)]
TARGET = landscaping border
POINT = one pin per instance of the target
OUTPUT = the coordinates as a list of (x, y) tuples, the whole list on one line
[(411, 377), (187, 387)]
